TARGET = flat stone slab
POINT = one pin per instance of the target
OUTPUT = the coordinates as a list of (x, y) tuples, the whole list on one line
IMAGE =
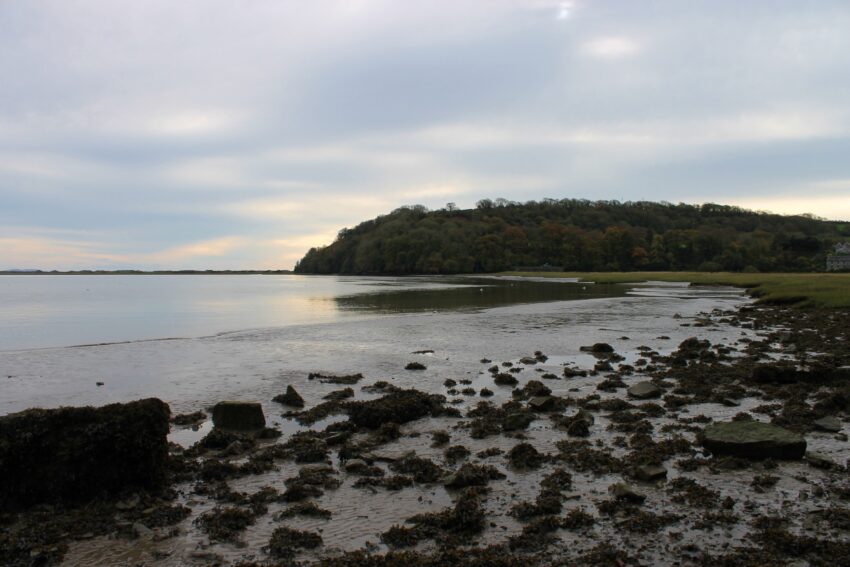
[(649, 473), (541, 403), (240, 416), (829, 423), (753, 440), (644, 391)]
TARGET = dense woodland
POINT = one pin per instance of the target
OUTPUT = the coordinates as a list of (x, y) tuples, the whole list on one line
[(577, 235)]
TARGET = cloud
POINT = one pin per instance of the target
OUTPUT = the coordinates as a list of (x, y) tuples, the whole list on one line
[(211, 134), (611, 47)]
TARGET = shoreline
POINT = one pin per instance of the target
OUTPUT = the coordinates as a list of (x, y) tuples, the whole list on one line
[(830, 290), (594, 527)]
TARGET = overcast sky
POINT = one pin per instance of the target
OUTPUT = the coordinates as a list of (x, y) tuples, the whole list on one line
[(238, 134)]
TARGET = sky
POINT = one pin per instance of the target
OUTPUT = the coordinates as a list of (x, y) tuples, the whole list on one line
[(216, 134)]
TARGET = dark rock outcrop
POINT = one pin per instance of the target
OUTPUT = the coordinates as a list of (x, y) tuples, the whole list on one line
[(241, 416), (75, 454), (290, 398)]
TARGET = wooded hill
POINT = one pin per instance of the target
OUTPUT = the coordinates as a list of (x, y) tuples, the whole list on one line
[(577, 235)]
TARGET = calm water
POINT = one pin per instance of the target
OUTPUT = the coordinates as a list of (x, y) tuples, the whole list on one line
[(57, 311), (247, 337)]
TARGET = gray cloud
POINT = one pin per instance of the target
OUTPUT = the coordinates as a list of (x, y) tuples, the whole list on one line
[(231, 134)]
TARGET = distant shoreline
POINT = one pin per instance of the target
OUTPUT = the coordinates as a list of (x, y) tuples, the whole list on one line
[(142, 273)]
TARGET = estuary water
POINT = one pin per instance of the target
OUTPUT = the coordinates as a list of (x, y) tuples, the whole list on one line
[(41, 311), (194, 340)]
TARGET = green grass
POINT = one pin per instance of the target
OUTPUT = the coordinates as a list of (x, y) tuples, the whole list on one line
[(818, 290)]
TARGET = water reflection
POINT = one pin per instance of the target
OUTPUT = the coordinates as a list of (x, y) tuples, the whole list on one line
[(473, 293)]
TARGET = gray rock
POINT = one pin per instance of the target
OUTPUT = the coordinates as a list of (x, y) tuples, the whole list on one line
[(142, 531), (649, 473), (829, 423), (622, 491), (644, 391), (541, 403), (754, 440), (820, 461), (241, 416)]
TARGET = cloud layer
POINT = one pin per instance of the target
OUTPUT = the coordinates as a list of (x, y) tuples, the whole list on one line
[(224, 134)]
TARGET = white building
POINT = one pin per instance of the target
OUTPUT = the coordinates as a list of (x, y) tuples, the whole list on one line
[(840, 259)]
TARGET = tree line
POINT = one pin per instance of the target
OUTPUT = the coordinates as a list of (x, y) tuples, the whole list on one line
[(577, 235)]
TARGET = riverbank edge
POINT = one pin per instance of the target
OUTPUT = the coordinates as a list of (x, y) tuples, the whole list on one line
[(799, 290)]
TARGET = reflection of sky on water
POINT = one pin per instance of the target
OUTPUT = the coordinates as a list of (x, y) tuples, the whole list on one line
[(50, 311)]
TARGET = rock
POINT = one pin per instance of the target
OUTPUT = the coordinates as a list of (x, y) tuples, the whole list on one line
[(525, 456), (753, 439), (313, 469), (528, 360), (598, 348), (829, 423), (76, 454), (820, 461), (473, 475), (239, 416), (649, 473), (343, 394), (128, 504), (505, 379), (347, 379), (142, 531), (516, 421), (290, 398), (193, 418), (541, 403), (400, 406), (356, 466), (644, 391), (415, 366), (622, 491)]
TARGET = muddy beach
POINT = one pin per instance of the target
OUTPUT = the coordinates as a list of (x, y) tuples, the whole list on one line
[(549, 434)]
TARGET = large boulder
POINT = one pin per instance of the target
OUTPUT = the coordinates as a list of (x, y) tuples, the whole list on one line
[(77, 454), (240, 416), (753, 439)]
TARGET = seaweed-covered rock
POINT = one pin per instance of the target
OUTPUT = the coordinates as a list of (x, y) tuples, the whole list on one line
[(505, 379), (753, 439), (285, 542), (473, 475), (400, 406), (241, 416), (598, 348), (525, 456), (79, 453), (290, 398)]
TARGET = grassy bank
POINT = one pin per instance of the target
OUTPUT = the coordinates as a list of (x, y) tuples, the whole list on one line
[(823, 290)]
